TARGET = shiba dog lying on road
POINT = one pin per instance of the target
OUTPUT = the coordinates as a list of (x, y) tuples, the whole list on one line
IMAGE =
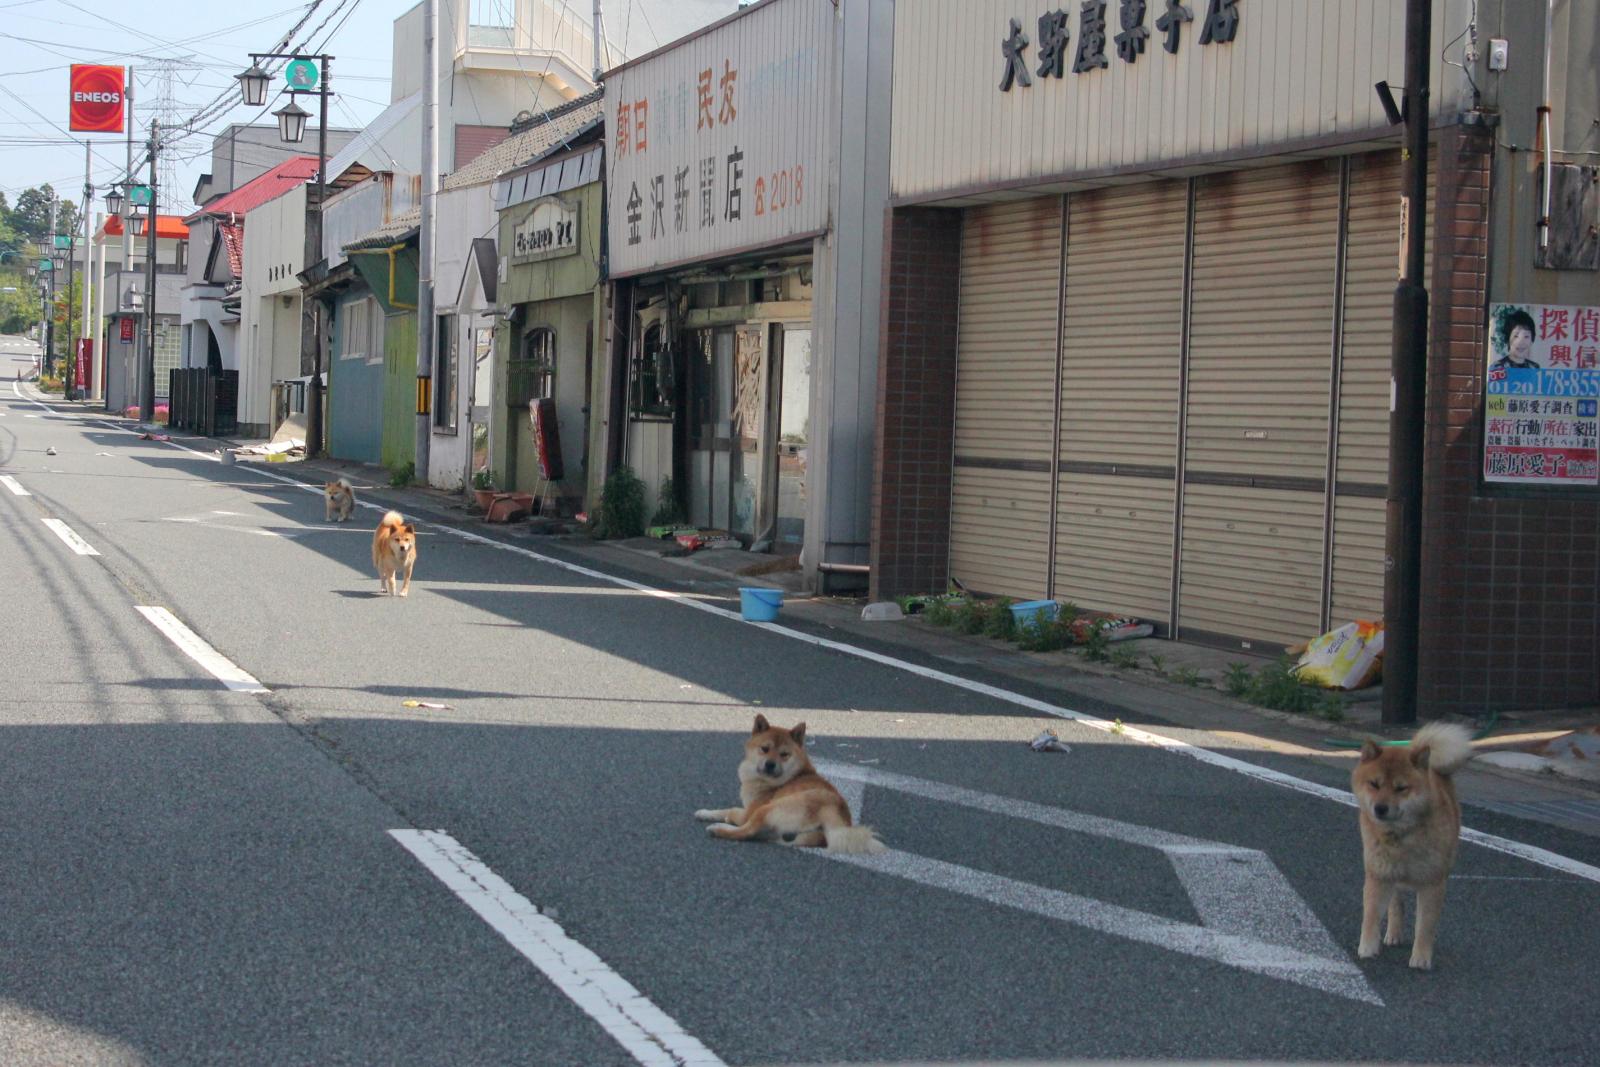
[(785, 799), (1410, 825), (341, 500), (394, 549)]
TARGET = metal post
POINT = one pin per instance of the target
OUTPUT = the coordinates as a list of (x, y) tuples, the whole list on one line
[(315, 431), (126, 268), (430, 190), (88, 253), (599, 46), (152, 244), (97, 371), (1402, 588), (66, 356), (50, 318)]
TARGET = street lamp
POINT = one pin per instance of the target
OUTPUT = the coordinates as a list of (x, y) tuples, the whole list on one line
[(303, 76), (292, 122), (139, 223), (253, 85), (114, 201)]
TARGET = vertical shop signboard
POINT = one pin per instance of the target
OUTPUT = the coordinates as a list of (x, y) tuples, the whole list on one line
[(1541, 424)]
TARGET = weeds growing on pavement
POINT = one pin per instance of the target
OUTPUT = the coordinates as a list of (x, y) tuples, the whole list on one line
[(1040, 634), (1097, 642), (1124, 659), (1158, 664), (1237, 679), (1188, 676), (940, 613), (1001, 623), (972, 617), (403, 476)]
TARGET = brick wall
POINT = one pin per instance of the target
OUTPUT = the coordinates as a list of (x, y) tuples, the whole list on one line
[(1511, 579), (916, 404)]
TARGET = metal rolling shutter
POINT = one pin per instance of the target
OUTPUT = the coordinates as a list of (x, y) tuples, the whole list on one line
[(1121, 343), (1005, 396), (1261, 333), (1362, 472)]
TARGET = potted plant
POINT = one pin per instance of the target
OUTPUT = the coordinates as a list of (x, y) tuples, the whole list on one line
[(483, 488)]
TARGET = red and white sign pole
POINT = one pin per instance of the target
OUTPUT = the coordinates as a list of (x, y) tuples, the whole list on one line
[(97, 105)]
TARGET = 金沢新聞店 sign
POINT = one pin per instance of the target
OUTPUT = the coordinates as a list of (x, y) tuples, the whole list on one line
[(549, 230), (1541, 426), (96, 101)]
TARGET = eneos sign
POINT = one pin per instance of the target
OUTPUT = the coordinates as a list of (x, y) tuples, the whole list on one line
[(96, 98)]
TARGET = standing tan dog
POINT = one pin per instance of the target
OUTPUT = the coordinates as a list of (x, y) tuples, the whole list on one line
[(394, 550), (785, 798), (1410, 825), (340, 497)]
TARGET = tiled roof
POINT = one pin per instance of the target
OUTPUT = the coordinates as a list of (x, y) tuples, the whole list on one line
[(390, 233), (548, 130), (296, 170), (233, 243)]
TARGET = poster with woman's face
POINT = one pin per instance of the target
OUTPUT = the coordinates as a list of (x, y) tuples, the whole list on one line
[(1541, 393)]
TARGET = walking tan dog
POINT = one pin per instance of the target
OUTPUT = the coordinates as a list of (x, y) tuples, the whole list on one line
[(1410, 826), (785, 798), (340, 497), (394, 550)]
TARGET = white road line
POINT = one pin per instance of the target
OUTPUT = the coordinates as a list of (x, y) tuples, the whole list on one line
[(1521, 850), (16, 388), (70, 536), (644, 1030), (194, 646), (13, 485)]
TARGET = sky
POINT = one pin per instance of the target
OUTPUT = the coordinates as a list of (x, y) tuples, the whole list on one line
[(194, 48)]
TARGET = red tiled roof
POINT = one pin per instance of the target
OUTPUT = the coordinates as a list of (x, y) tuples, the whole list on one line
[(296, 170), (233, 241), (166, 226)]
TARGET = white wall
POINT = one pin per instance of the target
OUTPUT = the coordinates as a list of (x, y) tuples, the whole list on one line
[(460, 215), (274, 253)]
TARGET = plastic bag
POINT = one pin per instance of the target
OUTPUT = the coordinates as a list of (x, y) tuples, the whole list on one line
[(1350, 657)]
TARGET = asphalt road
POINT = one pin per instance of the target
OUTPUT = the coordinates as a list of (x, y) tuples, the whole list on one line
[(202, 874)]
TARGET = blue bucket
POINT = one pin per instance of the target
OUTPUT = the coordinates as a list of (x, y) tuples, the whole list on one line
[(1031, 610), (760, 605)]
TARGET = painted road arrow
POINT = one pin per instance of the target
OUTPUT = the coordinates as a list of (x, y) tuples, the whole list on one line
[(1250, 917)]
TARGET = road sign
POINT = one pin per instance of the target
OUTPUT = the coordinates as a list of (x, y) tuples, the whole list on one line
[(62, 240), (300, 74), (46, 266), (1250, 916), (139, 195)]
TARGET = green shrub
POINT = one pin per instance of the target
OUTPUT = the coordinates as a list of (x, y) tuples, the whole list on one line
[(1001, 622), (1237, 679), (940, 612), (403, 476), (621, 510), (1097, 642), (669, 511), (483, 479), (972, 617), (1040, 634), (1274, 686)]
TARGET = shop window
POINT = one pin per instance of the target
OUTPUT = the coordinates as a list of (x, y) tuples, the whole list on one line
[(533, 371), (445, 374), (651, 393)]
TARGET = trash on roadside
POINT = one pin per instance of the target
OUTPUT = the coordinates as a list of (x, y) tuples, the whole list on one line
[(155, 437), (52, 449), (1047, 741), (426, 704), (1116, 627), (1350, 657), (1033, 612), (882, 611)]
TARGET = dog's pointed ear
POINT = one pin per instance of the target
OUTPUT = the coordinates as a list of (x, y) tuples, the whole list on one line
[(762, 725), (1369, 750), (799, 735), (1421, 757), (408, 528)]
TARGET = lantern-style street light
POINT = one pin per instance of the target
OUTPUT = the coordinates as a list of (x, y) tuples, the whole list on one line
[(292, 122), (253, 85), (114, 201)]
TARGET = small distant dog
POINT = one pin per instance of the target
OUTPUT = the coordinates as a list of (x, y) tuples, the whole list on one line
[(784, 798), (394, 550), (340, 497), (1410, 825)]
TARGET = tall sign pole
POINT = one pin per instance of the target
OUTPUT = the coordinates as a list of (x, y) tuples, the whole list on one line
[(430, 191), (152, 243), (86, 351), (1402, 585)]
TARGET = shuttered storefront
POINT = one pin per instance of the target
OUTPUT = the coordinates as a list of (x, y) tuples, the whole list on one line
[(1362, 473), (1121, 343), (1005, 396), (1278, 527), (1260, 344)]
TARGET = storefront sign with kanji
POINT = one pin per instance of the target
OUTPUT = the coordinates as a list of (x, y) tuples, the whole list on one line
[(1543, 388), (716, 144)]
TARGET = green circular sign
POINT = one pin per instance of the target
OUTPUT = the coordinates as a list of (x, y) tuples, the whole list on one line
[(300, 74)]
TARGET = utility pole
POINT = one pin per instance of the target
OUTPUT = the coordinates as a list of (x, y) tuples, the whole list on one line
[(1402, 584), (126, 269), (430, 190), (67, 308), (310, 313), (147, 367), (599, 47), (50, 318)]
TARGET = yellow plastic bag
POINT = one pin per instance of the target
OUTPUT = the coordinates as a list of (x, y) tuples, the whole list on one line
[(1350, 657)]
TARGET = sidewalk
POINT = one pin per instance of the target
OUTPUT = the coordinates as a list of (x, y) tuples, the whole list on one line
[(1138, 695)]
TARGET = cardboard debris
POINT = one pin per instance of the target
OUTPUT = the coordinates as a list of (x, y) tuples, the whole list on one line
[(425, 704)]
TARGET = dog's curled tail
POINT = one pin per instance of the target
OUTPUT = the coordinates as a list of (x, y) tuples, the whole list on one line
[(1449, 746), (856, 839), (393, 518)]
